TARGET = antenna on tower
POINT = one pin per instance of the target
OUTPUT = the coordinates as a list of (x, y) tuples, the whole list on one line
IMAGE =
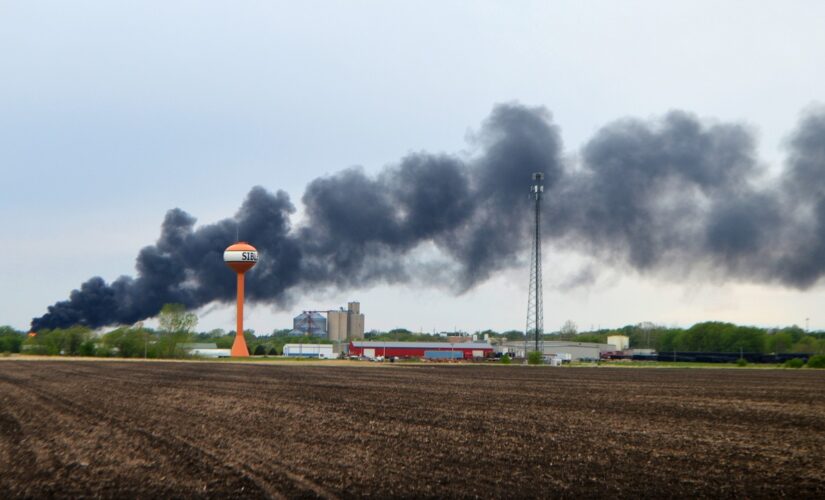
[(534, 334)]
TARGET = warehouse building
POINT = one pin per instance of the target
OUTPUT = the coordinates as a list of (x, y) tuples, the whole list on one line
[(321, 351), (205, 350), (422, 350), (578, 351)]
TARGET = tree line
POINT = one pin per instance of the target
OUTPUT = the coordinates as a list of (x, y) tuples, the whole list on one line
[(176, 327), (709, 336), (712, 336)]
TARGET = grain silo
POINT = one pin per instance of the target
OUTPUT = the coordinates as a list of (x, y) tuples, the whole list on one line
[(311, 323), (345, 325)]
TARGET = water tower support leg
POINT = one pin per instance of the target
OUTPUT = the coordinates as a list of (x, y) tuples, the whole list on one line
[(239, 348)]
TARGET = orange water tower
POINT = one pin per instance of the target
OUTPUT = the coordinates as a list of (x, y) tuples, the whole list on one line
[(241, 257)]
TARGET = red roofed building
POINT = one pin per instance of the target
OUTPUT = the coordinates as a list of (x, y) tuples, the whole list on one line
[(424, 350)]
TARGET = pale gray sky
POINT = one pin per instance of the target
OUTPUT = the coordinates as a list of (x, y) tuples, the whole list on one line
[(113, 113)]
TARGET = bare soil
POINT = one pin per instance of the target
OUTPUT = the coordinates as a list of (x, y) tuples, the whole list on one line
[(183, 430)]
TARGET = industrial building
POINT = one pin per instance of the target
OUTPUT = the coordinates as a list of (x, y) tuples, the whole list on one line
[(340, 325), (309, 323), (423, 350), (321, 351), (345, 325), (205, 350), (622, 342), (558, 348)]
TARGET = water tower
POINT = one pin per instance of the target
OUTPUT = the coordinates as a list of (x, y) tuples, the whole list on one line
[(241, 257)]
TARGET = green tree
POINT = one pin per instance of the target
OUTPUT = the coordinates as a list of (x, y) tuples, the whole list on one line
[(176, 326), (88, 348), (11, 340), (404, 335), (37, 344), (714, 336), (794, 332), (666, 342), (805, 344), (225, 342), (66, 341), (747, 339), (780, 342), (598, 339), (513, 335), (175, 318), (74, 338), (128, 342), (817, 361)]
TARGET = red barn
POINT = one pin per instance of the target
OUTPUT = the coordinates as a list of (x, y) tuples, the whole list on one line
[(426, 350)]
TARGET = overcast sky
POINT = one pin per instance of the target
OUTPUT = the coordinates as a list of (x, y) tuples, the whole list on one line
[(111, 114)]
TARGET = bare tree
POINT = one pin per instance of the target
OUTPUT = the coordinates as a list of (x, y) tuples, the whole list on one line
[(569, 330)]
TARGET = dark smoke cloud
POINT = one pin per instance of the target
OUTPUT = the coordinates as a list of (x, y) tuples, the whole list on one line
[(674, 195), (680, 196)]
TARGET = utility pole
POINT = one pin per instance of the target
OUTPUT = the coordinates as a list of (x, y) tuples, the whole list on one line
[(535, 305), (139, 326)]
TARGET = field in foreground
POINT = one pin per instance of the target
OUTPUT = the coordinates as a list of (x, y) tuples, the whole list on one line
[(218, 430)]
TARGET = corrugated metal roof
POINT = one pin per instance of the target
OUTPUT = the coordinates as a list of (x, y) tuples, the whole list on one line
[(198, 346), (315, 315), (422, 345), (307, 346), (559, 343)]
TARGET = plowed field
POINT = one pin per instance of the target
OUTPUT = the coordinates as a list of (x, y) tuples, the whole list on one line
[(115, 429)]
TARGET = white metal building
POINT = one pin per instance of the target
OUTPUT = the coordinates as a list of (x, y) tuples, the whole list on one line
[(206, 350), (320, 351), (559, 348)]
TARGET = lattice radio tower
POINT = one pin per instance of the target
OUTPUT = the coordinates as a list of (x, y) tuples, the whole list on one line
[(533, 335)]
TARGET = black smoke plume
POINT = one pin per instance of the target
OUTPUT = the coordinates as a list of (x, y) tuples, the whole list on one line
[(676, 195)]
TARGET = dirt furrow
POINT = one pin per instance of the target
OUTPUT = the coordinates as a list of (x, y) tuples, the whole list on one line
[(213, 430)]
